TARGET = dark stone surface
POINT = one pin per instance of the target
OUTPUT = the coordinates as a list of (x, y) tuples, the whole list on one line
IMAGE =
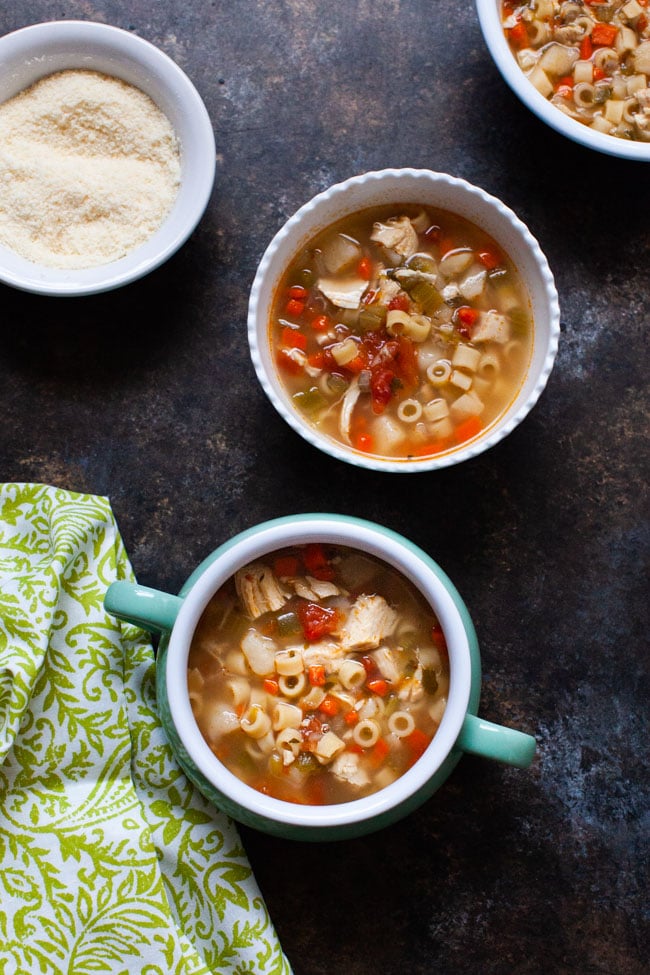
[(148, 396)]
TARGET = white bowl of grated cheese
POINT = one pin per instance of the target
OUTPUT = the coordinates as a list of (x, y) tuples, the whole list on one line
[(108, 158)]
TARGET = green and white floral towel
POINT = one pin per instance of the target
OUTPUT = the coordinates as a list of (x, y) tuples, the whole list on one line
[(110, 861)]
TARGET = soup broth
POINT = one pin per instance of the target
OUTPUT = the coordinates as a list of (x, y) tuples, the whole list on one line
[(402, 332), (591, 60), (318, 675)]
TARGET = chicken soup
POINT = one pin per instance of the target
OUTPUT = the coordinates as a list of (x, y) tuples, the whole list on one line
[(318, 675), (402, 332), (590, 58)]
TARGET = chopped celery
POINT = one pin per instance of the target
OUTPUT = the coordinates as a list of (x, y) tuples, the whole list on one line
[(370, 319), (427, 296), (310, 401), (429, 680), (520, 321), (422, 262), (288, 624)]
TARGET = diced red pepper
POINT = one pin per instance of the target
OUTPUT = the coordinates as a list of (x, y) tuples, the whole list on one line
[(316, 674), (329, 706), (586, 48), (378, 686), (364, 268), (294, 307), (316, 621), (317, 563), (603, 35), (293, 339), (399, 303), (286, 565)]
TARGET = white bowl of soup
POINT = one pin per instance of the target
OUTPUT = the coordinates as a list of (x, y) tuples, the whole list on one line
[(318, 676), (403, 320), (583, 68), (108, 158)]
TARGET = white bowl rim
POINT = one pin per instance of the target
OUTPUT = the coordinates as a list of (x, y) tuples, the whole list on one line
[(39, 39), (502, 427), (398, 552), (490, 21)]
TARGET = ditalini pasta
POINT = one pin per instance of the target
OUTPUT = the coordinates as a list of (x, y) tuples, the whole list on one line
[(389, 310), (590, 58), (318, 675)]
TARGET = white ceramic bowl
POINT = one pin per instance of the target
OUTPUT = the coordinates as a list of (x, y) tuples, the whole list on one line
[(33, 52), (490, 21), (429, 189)]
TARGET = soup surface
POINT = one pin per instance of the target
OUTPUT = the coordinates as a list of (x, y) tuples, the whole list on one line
[(401, 332), (318, 675), (590, 58)]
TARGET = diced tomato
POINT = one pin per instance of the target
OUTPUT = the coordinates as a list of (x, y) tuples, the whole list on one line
[(294, 307), (378, 686), (317, 563), (586, 48), (642, 22), (489, 259), (381, 388), (271, 685), (369, 297), (286, 565), (406, 360), (316, 675), (316, 359), (603, 35), (364, 268), (293, 339), (285, 362), (467, 429), (329, 706), (297, 291), (365, 442), (320, 323), (399, 303), (316, 621)]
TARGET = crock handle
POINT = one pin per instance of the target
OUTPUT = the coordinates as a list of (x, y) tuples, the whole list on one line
[(480, 737), (148, 608)]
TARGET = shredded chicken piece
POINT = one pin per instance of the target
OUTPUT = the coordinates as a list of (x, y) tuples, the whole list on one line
[(397, 234), (346, 768), (324, 654), (349, 402), (369, 621), (385, 660), (309, 588), (344, 293), (259, 590), (492, 327)]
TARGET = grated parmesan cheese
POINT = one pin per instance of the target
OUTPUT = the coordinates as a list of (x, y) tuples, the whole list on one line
[(89, 169)]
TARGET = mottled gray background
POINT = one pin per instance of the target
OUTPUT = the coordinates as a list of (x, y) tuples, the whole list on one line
[(148, 396)]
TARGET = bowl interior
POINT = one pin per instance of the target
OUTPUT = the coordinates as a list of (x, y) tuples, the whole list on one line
[(489, 12), (34, 52), (335, 530), (428, 189)]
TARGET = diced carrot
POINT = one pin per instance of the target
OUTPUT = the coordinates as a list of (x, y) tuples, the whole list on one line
[(317, 359), (364, 268), (351, 717), (378, 752), (285, 362), (329, 706), (489, 259), (440, 641), (294, 307), (467, 429), (355, 748), (586, 48), (518, 35), (364, 441), (297, 291), (320, 323), (433, 233), (466, 315), (286, 565), (378, 686), (271, 686), (356, 364), (293, 339), (599, 74), (603, 35), (316, 675), (445, 245), (566, 82), (418, 743), (434, 447)]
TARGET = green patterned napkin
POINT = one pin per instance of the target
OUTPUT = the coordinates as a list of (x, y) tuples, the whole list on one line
[(110, 861)]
